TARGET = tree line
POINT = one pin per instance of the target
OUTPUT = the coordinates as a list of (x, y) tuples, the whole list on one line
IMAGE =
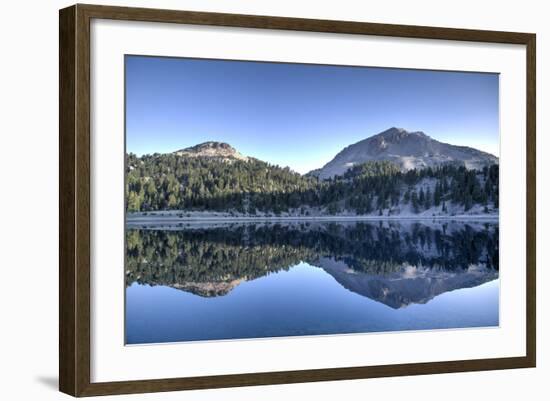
[(170, 182)]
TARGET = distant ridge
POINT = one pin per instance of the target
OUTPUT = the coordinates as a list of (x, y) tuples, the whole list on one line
[(409, 150)]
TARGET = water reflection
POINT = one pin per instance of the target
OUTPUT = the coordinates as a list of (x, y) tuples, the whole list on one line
[(213, 281), (396, 264)]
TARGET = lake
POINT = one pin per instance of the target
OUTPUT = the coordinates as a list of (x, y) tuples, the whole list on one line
[(235, 280)]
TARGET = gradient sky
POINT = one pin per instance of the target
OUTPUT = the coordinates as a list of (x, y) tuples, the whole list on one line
[(300, 115)]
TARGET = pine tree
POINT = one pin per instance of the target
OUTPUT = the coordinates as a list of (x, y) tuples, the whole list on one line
[(428, 201), (134, 203), (437, 194), (467, 202), (414, 202), (445, 186), (407, 196)]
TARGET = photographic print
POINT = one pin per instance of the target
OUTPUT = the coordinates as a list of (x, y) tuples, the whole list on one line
[(268, 199)]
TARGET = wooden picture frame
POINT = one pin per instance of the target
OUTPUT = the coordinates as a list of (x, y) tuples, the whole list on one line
[(74, 199)]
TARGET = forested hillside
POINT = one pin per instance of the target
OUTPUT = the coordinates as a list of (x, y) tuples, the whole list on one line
[(175, 182)]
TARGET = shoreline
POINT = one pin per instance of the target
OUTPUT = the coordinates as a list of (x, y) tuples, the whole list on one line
[(141, 220)]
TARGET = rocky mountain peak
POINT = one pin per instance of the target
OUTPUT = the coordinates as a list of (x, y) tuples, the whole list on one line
[(212, 149), (396, 134), (408, 150)]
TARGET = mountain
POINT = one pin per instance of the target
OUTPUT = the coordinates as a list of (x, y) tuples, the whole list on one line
[(212, 149), (211, 176), (408, 150)]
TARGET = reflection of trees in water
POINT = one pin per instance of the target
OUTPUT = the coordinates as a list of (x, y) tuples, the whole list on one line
[(249, 251)]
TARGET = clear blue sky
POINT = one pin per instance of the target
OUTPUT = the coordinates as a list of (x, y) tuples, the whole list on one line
[(300, 115)]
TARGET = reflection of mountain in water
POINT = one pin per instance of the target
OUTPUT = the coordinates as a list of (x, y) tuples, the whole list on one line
[(207, 289), (410, 285), (393, 263)]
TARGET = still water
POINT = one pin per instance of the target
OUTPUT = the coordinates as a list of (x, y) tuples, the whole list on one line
[(251, 280)]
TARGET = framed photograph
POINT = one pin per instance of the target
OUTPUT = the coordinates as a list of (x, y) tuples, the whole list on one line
[(250, 200)]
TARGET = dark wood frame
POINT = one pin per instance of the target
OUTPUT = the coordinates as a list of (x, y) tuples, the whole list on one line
[(74, 199)]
